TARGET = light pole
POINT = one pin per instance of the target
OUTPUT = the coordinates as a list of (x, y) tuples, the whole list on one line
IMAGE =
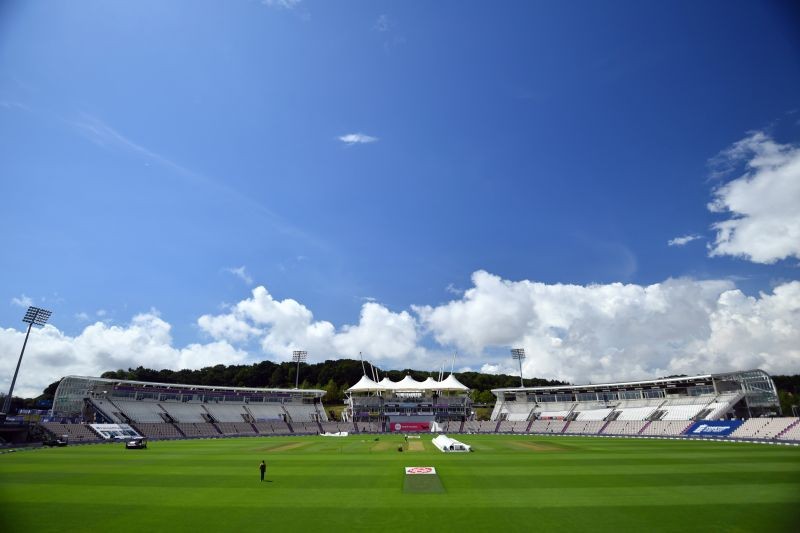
[(34, 317), (519, 355), (298, 356)]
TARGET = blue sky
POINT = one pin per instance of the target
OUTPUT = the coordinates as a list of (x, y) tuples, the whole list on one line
[(372, 161)]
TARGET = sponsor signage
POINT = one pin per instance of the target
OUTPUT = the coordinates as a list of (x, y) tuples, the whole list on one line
[(419, 470), (713, 428), (409, 426)]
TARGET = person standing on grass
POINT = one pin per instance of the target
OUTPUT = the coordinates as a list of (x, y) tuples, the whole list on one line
[(263, 468)]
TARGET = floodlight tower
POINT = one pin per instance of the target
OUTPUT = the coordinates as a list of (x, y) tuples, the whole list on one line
[(33, 317), (298, 356), (519, 354)]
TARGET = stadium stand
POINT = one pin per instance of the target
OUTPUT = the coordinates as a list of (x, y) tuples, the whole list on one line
[(762, 428), (587, 427), (547, 426), (665, 427), (792, 431), (624, 427), (667, 407), (74, 432)]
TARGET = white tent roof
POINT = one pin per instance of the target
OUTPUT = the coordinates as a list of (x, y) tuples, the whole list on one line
[(430, 384), (364, 385), (408, 384), (451, 383)]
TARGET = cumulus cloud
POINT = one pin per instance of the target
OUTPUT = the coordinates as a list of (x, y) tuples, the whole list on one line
[(615, 331), (357, 138), (282, 326), (579, 333), (146, 340), (763, 203), (682, 241)]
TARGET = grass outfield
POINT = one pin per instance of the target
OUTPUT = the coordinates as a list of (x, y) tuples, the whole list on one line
[(510, 483)]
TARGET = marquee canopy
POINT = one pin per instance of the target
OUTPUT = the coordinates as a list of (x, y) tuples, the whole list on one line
[(408, 384)]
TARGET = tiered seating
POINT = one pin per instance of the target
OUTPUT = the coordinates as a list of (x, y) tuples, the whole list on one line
[(762, 428), (236, 428), (517, 411), (184, 412), (369, 427), (265, 411), (276, 427), (332, 427), (586, 427), (226, 413), (505, 427), (635, 413), (140, 411), (681, 412), (792, 432), (109, 409), (555, 415), (472, 426), (666, 427), (547, 426), (305, 427), (154, 430), (301, 412), (74, 432), (625, 427), (198, 429), (593, 414)]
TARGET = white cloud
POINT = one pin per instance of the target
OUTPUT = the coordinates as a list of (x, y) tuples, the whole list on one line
[(282, 326), (241, 273), (146, 340), (22, 301), (763, 203), (357, 138), (682, 241), (283, 4), (613, 332), (579, 333)]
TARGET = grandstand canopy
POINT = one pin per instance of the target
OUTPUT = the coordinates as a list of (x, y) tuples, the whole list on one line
[(408, 384)]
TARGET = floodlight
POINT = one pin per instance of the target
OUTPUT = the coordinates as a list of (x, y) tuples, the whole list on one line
[(298, 356), (519, 354), (34, 316)]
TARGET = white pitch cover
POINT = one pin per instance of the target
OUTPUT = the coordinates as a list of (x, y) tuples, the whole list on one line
[(417, 470)]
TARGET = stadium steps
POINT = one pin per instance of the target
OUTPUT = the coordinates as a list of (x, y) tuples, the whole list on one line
[(564, 429), (644, 428), (787, 429), (530, 423), (602, 429), (461, 428), (320, 427), (216, 427), (179, 430), (497, 427), (254, 428)]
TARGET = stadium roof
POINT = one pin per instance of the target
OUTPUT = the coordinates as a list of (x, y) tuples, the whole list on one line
[(217, 388), (408, 384), (627, 384)]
